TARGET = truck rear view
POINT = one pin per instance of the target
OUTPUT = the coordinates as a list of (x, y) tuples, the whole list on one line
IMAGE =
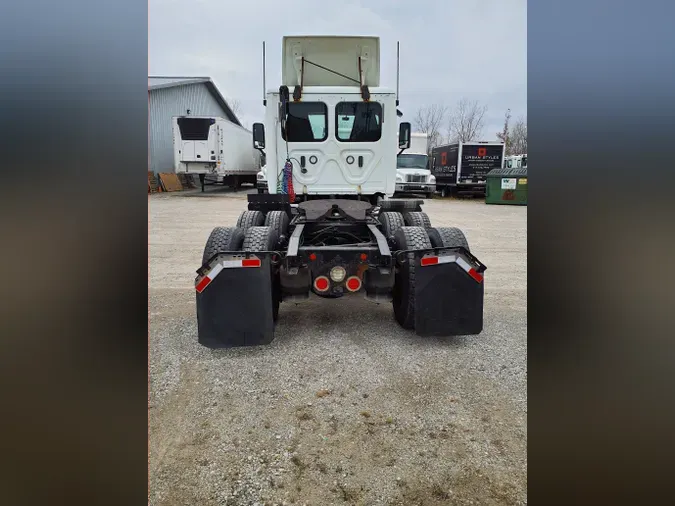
[(326, 227)]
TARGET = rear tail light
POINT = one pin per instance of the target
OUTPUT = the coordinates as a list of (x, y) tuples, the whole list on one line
[(353, 283), (321, 284)]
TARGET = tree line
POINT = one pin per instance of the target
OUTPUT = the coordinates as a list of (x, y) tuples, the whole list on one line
[(466, 122)]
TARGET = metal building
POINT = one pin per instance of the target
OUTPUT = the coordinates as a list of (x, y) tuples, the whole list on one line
[(178, 96)]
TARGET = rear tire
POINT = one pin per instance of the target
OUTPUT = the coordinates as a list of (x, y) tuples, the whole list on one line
[(417, 219), (447, 237), (407, 238), (278, 220), (249, 219), (391, 222), (265, 239), (223, 239)]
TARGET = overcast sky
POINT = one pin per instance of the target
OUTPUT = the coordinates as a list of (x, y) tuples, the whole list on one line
[(449, 48)]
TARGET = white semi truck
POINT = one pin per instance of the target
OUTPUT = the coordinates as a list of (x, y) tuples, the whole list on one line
[(413, 174), (516, 162), (214, 147), (327, 225)]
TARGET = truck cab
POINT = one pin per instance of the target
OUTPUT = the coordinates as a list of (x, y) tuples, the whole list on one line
[(337, 134), (413, 174)]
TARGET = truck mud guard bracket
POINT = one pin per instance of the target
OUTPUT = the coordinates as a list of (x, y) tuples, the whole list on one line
[(235, 305), (449, 292)]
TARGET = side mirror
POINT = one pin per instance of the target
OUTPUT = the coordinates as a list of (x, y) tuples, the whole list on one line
[(404, 136), (258, 136)]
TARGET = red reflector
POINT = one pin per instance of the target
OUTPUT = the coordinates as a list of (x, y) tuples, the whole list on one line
[(364, 257), (312, 256), (251, 262), (203, 284), (429, 261), (476, 275), (353, 284), (321, 283)]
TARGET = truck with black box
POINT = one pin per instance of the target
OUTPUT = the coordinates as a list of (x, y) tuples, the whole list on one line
[(461, 168)]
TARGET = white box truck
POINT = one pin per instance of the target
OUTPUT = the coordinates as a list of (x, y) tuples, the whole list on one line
[(462, 167), (413, 174), (214, 147)]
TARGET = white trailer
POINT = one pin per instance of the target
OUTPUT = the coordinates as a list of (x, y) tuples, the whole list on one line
[(413, 174), (214, 147)]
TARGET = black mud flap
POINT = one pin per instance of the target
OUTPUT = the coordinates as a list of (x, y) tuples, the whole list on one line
[(448, 293), (234, 300)]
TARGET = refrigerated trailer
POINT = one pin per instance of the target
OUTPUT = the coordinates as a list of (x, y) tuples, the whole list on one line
[(214, 147), (462, 167), (327, 226)]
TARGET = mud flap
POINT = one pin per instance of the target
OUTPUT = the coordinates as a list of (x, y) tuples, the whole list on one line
[(234, 301), (448, 293)]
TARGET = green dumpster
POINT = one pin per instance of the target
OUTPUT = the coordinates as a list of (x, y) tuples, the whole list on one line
[(506, 186)]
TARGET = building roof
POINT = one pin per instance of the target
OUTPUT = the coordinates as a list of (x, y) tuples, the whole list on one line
[(159, 82)]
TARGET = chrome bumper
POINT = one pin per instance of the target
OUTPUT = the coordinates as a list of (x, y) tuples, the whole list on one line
[(416, 187)]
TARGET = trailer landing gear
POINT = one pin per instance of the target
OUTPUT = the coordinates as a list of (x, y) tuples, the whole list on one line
[(202, 177)]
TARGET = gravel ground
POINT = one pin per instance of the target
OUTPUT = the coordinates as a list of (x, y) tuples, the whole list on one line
[(344, 407)]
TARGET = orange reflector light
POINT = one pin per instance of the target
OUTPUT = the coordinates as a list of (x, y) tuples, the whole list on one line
[(353, 284), (429, 261), (312, 256), (321, 283), (364, 257)]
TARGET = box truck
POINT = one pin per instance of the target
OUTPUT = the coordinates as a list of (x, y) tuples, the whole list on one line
[(412, 168), (214, 147), (462, 167)]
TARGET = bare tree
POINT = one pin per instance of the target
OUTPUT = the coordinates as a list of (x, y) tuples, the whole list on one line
[(429, 120), (467, 121), (235, 106), (504, 134), (518, 137)]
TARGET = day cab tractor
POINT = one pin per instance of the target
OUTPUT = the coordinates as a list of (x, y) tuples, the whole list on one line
[(327, 225)]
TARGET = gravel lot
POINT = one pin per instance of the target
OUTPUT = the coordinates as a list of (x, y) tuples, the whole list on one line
[(344, 407)]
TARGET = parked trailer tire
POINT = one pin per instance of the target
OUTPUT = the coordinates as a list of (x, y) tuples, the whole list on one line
[(278, 220), (265, 239), (407, 238), (447, 237), (417, 219), (248, 219), (391, 222), (223, 239)]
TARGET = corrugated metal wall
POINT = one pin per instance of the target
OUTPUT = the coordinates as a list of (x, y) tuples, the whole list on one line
[(166, 103)]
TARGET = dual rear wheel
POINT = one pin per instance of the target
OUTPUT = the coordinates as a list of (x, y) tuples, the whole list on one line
[(413, 231)]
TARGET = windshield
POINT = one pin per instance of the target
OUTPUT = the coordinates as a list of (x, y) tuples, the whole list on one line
[(411, 161)]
